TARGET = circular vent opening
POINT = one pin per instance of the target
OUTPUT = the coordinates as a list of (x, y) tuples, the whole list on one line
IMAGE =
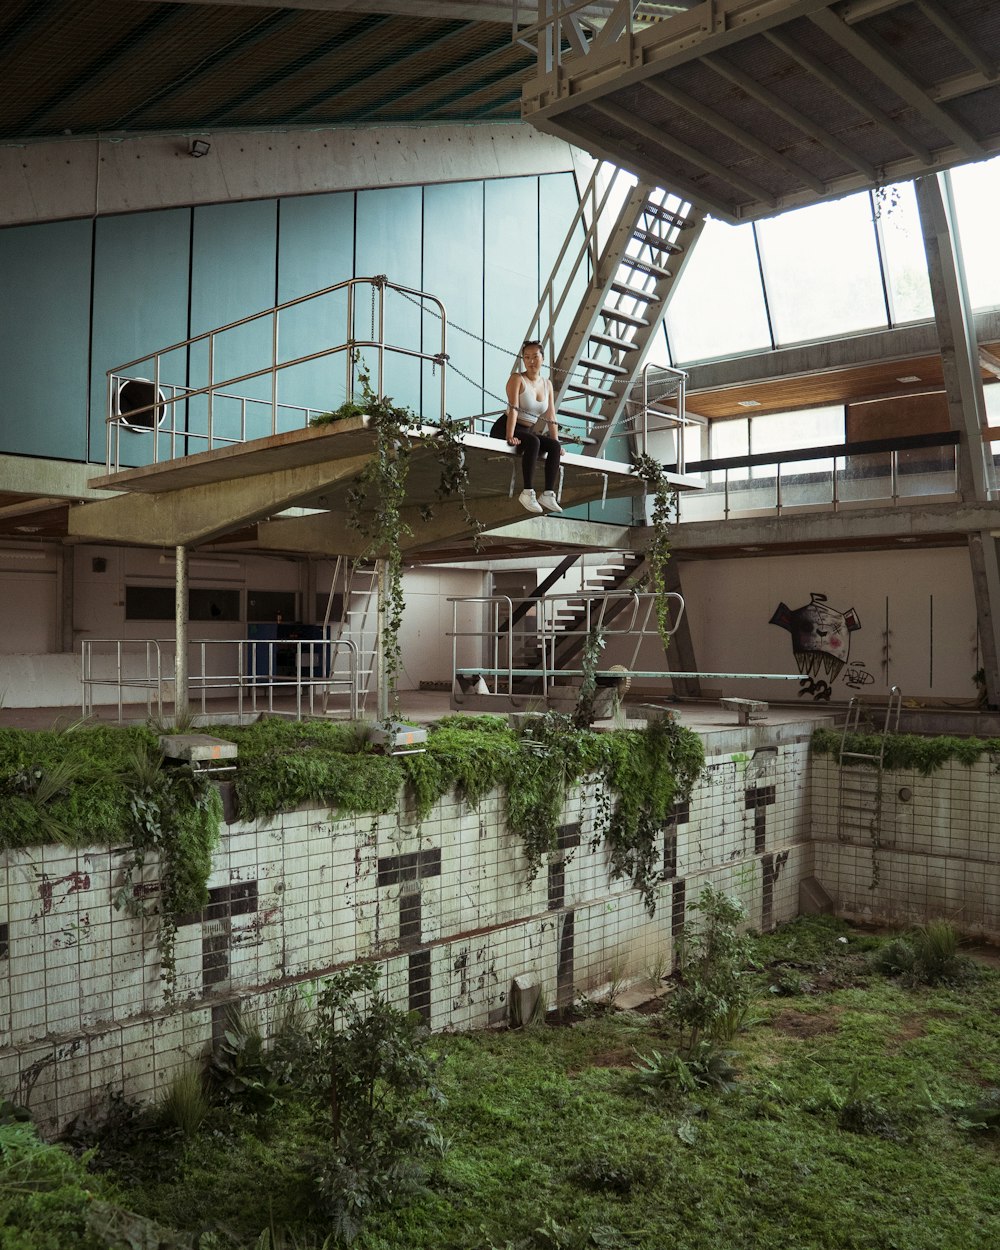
[(134, 404)]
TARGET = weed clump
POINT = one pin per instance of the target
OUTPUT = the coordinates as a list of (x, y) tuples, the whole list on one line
[(927, 955)]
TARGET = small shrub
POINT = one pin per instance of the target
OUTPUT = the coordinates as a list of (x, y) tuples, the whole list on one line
[(185, 1104), (928, 955), (705, 1066), (714, 995)]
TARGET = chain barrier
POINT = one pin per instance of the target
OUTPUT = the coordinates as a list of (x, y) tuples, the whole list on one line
[(625, 423)]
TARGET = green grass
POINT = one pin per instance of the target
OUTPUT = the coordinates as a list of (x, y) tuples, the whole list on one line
[(849, 1128)]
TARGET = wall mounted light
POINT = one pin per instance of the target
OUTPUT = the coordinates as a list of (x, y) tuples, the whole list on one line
[(199, 147)]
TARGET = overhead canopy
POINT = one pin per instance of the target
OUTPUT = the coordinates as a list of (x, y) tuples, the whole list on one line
[(748, 109)]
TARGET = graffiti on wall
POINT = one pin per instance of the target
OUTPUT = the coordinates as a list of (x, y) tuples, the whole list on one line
[(821, 642)]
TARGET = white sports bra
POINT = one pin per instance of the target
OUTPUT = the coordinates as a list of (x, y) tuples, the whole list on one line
[(528, 406)]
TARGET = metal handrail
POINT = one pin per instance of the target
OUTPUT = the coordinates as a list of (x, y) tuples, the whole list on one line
[(547, 606), (156, 672), (167, 396)]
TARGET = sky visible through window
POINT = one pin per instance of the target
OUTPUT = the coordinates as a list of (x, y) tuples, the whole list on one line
[(837, 268)]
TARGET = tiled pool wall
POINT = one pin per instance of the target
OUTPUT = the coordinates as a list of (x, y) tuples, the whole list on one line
[(445, 905), (933, 853)]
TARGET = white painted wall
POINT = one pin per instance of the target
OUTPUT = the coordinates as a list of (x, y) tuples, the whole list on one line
[(924, 598)]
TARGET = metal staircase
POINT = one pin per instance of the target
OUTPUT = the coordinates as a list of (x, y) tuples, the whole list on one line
[(859, 788), (564, 635), (357, 584), (606, 298)]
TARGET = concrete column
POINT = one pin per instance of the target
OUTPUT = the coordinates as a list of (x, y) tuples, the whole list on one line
[(180, 632), (966, 405)]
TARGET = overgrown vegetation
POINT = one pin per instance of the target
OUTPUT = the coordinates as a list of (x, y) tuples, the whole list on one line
[(659, 551), (97, 785), (864, 1112), (908, 751), (377, 496)]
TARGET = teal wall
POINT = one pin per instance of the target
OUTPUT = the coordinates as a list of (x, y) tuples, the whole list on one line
[(84, 296), (45, 301)]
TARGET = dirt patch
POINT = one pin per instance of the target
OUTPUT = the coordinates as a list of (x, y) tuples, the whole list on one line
[(805, 1024), (621, 1058)]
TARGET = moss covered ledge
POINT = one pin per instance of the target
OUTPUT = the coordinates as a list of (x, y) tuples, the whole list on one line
[(103, 785), (908, 751)]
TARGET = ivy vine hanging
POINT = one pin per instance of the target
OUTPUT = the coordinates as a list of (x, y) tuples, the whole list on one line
[(664, 510), (376, 497)]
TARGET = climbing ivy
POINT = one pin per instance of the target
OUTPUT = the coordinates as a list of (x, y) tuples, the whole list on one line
[(659, 550), (377, 495)]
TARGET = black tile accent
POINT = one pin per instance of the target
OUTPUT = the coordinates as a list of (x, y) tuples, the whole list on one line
[(568, 836), (409, 917), (4, 941), (393, 869), (564, 970), (557, 884), (236, 899), (420, 983), (760, 798), (215, 957), (242, 898), (678, 907)]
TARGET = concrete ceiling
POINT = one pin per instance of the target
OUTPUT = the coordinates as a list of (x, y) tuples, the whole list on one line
[(748, 109)]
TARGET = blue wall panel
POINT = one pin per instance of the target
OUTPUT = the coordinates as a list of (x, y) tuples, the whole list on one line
[(390, 224), (453, 271), (233, 274), (45, 293), (315, 250), (511, 274), (140, 306)]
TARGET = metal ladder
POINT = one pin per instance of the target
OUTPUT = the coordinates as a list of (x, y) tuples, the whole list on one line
[(859, 793), (358, 584), (607, 296)]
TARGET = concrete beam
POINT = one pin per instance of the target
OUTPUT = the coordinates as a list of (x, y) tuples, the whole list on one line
[(817, 358), (51, 479), (56, 179), (818, 530), (326, 533), (197, 514)]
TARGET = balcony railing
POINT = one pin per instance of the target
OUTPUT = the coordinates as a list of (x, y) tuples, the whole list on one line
[(840, 476)]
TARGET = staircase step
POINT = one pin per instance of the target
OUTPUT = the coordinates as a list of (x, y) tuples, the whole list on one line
[(647, 297), (666, 214), (609, 340), (595, 392), (629, 319), (656, 242), (618, 371), (645, 266), (581, 416)]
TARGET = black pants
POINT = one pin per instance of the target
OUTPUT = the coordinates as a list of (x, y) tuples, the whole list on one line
[(531, 446)]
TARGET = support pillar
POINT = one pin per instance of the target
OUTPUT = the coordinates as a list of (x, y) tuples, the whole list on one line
[(966, 406), (180, 633)]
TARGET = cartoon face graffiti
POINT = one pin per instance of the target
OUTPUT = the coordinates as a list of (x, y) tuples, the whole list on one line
[(821, 636)]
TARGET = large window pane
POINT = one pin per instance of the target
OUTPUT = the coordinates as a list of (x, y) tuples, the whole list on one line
[(977, 188), (821, 271), (903, 254), (718, 307), (788, 431)]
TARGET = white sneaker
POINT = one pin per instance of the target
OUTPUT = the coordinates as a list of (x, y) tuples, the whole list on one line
[(549, 501), (528, 501)]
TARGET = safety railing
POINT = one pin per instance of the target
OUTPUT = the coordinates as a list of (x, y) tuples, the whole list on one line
[(163, 417), (536, 637), (839, 477), (249, 676)]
